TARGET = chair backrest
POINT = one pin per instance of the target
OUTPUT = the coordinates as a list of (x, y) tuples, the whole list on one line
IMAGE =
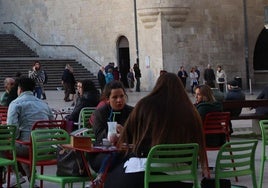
[(236, 159), (264, 157), (264, 132), (44, 144), (172, 162), (217, 122), (42, 124), (7, 138), (84, 115), (3, 114), (61, 124)]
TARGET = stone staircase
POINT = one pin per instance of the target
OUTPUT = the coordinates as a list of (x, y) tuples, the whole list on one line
[(15, 57), (11, 46)]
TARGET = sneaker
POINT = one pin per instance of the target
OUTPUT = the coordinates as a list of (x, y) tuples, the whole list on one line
[(13, 181), (97, 182)]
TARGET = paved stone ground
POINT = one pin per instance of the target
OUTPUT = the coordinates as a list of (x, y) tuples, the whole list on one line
[(55, 100)]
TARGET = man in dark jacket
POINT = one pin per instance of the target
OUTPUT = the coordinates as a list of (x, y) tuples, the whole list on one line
[(137, 72), (234, 93), (101, 78), (209, 76)]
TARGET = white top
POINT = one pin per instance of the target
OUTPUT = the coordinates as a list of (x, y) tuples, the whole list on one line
[(135, 164), (220, 75)]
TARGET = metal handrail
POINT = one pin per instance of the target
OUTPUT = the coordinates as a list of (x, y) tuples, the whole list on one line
[(54, 45)]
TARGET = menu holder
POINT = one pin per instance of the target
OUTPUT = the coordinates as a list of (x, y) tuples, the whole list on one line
[(78, 140)]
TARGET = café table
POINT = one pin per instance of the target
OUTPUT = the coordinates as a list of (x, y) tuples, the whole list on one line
[(91, 150), (61, 112)]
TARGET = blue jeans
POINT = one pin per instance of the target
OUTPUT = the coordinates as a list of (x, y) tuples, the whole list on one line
[(38, 92)]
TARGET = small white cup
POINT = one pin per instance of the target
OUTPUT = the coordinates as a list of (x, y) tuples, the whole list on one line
[(106, 142)]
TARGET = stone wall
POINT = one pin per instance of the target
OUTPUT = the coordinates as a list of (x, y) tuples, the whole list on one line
[(171, 33)]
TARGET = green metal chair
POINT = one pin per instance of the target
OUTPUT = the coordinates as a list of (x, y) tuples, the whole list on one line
[(264, 157), (7, 144), (84, 115), (83, 121), (44, 142), (240, 162), (172, 163)]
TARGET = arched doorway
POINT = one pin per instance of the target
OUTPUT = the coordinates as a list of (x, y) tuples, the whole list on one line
[(123, 58), (260, 58)]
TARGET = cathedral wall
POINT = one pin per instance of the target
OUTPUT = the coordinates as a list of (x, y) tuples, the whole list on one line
[(171, 33)]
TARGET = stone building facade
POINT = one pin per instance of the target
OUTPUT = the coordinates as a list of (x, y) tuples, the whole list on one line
[(161, 34)]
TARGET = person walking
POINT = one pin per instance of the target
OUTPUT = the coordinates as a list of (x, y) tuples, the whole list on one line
[(220, 77), (68, 82), (182, 74), (194, 79), (198, 73), (109, 76), (209, 76), (137, 72), (101, 78), (38, 75), (116, 73), (130, 79)]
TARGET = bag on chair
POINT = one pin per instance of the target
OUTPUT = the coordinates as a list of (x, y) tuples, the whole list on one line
[(69, 163)]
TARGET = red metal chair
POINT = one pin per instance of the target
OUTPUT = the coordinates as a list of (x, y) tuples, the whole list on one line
[(3, 114), (216, 123), (43, 124)]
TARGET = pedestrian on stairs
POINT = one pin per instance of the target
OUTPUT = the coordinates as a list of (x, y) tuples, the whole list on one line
[(38, 76), (68, 82)]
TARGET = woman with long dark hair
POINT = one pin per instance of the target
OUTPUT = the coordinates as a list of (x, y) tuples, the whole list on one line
[(165, 116)]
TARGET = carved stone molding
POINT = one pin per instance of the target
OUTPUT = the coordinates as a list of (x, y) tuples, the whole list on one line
[(175, 16)]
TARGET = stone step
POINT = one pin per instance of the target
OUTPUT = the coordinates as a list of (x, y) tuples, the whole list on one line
[(15, 57), (54, 70), (11, 46)]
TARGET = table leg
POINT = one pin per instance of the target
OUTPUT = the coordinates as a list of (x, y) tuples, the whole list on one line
[(86, 166)]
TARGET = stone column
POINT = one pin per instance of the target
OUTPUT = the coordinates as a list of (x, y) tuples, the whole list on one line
[(157, 24)]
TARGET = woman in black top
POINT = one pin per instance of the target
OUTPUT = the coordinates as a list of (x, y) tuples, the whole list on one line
[(88, 97), (117, 110)]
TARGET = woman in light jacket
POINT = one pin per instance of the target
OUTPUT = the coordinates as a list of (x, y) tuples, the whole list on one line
[(220, 78)]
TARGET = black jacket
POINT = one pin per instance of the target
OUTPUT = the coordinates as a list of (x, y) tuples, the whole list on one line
[(235, 94), (102, 115), (88, 99)]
